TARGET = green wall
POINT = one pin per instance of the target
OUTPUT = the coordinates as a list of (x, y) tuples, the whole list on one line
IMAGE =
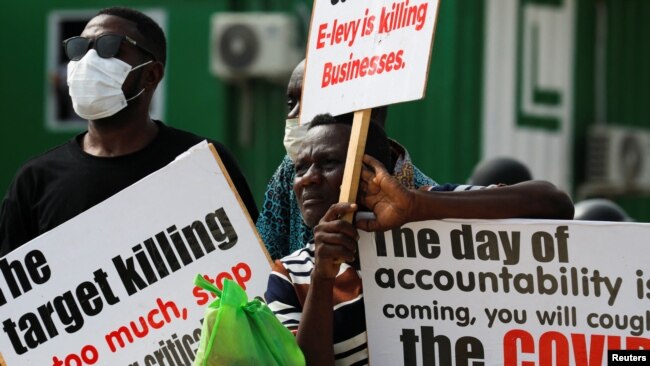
[(443, 131), (627, 81)]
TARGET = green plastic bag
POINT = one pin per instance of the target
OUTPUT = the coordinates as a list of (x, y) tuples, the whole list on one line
[(238, 332)]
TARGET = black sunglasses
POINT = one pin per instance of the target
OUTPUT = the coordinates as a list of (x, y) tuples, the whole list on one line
[(106, 45)]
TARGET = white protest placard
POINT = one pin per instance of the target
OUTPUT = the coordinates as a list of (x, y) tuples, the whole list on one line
[(507, 292), (114, 285), (364, 54)]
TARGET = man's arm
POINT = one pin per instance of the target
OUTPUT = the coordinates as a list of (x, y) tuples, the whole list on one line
[(394, 205), (336, 242)]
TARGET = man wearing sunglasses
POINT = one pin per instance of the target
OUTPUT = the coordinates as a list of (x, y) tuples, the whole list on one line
[(115, 67)]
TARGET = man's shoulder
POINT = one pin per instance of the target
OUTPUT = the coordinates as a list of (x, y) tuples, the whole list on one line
[(54, 155), (42, 166)]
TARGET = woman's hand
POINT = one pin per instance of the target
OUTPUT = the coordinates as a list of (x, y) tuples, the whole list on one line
[(385, 196), (335, 239)]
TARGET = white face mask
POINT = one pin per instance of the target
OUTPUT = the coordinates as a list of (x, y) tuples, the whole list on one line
[(95, 85), (294, 133)]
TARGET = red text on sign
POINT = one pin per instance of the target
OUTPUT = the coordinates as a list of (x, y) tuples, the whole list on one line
[(163, 314), (241, 273), (88, 356), (553, 348)]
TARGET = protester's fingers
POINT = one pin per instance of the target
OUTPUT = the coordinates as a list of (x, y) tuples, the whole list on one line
[(367, 173), (335, 254), (368, 184), (338, 210), (336, 242), (341, 227), (363, 192), (332, 232), (335, 238), (368, 224), (368, 198), (375, 164), (366, 221), (347, 240), (328, 258), (363, 186)]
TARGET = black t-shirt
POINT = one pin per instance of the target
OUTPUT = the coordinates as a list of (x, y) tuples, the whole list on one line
[(65, 181)]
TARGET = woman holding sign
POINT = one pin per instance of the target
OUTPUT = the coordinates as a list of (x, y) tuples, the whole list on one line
[(316, 291)]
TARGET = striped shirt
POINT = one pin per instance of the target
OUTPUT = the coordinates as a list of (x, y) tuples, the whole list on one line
[(287, 290)]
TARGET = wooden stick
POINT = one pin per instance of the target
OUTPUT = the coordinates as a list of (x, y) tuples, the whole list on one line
[(354, 160)]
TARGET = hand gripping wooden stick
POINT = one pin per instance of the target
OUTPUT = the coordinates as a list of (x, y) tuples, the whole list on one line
[(354, 160)]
